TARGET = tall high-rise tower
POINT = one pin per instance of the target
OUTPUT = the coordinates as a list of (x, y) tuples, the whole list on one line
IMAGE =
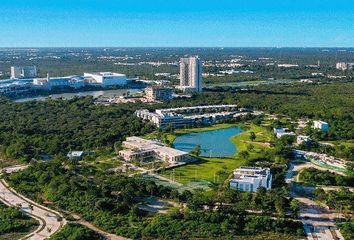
[(191, 73)]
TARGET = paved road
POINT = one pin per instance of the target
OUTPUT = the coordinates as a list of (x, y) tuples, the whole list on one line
[(318, 221), (15, 168), (50, 221)]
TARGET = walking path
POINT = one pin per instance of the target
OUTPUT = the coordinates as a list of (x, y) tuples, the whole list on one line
[(50, 221)]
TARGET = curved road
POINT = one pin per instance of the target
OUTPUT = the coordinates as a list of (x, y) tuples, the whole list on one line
[(50, 221), (318, 221)]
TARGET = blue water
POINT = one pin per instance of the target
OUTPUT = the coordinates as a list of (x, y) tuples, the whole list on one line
[(215, 143)]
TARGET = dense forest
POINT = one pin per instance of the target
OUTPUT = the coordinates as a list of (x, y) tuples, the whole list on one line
[(316, 177), (33, 129), (111, 202)]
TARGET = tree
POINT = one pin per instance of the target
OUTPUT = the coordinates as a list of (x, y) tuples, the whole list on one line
[(196, 150), (252, 136), (244, 154)]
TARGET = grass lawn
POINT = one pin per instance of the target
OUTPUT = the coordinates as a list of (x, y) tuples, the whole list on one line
[(217, 170), (347, 143)]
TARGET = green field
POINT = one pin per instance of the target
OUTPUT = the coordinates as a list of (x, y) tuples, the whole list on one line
[(217, 170)]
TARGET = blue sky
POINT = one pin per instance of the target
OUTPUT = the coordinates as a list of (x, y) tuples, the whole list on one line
[(182, 23)]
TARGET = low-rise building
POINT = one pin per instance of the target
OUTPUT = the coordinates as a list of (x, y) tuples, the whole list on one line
[(324, 126), (280, 132), (141, 149), (344, 66), (158, 93), (107, 78), (188, 116), (302, 139), (75, 155), (249, 179)]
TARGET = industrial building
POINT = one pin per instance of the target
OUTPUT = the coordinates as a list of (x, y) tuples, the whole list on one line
[(191, 74), (324, 126), (49, 83), (249, 179), (107, 78), (147, 150), (188, 116), (158, 93), (19, 72)]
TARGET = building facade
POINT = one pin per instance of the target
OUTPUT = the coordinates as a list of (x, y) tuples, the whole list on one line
[(158, 93), (147, 150), (324, 126), (249, 179), (191, 73), (188, 116), (344, 66), (18, 72), (107, 78)]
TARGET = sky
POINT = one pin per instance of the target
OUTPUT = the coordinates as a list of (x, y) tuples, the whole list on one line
[(176, 23)]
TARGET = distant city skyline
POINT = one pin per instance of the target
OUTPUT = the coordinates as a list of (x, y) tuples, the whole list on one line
[(161, 23)]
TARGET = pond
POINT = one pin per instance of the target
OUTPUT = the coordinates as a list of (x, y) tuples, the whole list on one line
[(214, 143)]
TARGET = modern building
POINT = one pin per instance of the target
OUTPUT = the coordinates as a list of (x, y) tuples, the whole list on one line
[(147, 150), (191, 74), (280, 132), (107, 78), (344, 66), (158, 93), (75, 155), (301, 139), (249, 179), (188, 116), (324, 126), (15, 87), (18, 72)]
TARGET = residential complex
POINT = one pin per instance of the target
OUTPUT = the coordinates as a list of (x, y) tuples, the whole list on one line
[(188, 116), (249, 179), (107, 78), (147, 150), (158, 93), (191, 74), (344, 66), (324, 126), (18, 72)]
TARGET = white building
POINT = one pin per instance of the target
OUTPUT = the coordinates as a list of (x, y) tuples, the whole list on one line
[(191, 73), (107, 78), (188, 116), (145, 150), (302, 139), (49, 83), (321, 125), (23, 72), (280, 132), (249, 179), (75, 155), (344, 66)]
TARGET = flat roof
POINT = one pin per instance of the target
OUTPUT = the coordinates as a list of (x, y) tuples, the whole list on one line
[(106, 74)]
